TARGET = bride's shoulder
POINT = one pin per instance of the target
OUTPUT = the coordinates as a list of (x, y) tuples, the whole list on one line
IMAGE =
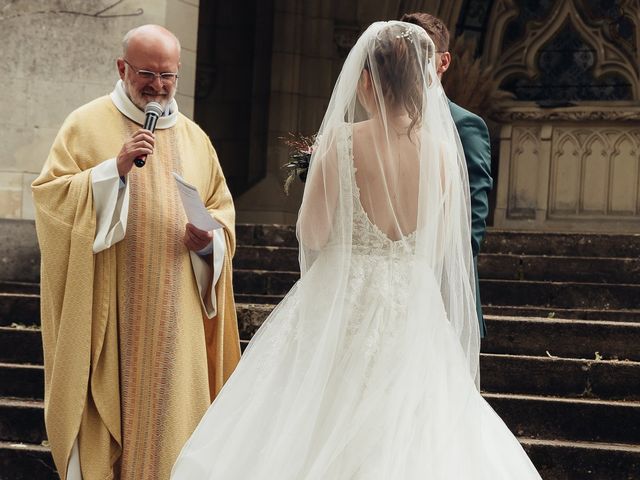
[(361, 130), (360, 127)]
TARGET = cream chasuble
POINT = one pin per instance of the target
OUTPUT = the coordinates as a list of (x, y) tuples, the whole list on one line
[(130, 367)]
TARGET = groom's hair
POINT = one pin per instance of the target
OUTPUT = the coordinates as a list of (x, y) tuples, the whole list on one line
[(436, 29)]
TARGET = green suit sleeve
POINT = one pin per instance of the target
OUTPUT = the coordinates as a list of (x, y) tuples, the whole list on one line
[(474, 136)]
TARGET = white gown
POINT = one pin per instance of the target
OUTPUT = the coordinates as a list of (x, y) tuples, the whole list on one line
[(377, 389)]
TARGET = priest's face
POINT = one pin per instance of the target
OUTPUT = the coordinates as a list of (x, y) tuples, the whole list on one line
[(149, 69)]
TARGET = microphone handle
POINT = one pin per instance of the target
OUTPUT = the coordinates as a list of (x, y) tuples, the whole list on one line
[(149, 124)]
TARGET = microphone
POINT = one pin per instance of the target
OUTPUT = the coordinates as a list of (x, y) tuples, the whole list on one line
[(152, 112)]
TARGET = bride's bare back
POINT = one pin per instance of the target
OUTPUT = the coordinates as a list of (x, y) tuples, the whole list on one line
[(387, 173)]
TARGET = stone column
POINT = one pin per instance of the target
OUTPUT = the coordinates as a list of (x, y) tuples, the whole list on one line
[(301, 82), (311, 40)]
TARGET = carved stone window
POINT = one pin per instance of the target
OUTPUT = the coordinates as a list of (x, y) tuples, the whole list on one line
[(474, 16), (528, 11), (563, 52), (566, 74)]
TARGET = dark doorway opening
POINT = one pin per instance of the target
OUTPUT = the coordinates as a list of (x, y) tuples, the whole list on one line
[(233, 71)]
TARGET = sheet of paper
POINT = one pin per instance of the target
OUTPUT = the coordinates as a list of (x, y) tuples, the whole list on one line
[(197, 214)]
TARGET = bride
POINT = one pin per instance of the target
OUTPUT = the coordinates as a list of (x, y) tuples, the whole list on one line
[(368, 369)]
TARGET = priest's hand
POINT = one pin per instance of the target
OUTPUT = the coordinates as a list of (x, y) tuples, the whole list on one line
[(196, 239), (141, 143)]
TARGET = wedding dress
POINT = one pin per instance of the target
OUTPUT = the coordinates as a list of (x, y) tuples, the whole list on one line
[(368, 369)]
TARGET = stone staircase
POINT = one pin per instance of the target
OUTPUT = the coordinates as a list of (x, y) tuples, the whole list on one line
[(561, 364)]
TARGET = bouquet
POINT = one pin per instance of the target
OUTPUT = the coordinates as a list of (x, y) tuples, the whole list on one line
[(300, 150)]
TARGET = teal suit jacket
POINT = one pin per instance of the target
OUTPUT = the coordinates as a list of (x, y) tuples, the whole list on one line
[(474, 136)]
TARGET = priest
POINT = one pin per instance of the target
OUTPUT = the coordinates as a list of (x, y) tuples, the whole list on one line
[(138, 320)]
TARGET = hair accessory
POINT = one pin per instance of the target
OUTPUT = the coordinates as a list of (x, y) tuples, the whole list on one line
[(404, 34)]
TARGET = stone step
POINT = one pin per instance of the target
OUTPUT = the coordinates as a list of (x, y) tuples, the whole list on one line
[(554, 459), (23, 461), (251, 257), (22, 421), (521, 356), (20, 257), (258, 299), (21, 345), (23, 309), (562, 244), (251, 316), (531, 367), (263, 282), (560, 377), (20, 309), (490, 265), (496, 241), (556, 268), (20, 287), (23, 381), (568, 419), (19, 248), (549, 376), (560, 294), (562, 338), (566, 313), (265, 234), (525, 336), (493, 292), (499, 373), (563, 460), (526, 415)]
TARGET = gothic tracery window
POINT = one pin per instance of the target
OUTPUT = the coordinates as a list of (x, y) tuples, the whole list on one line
[(566, 74), (566, 68)]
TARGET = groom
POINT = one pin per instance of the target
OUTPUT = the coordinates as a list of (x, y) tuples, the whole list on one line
[(474, 136)]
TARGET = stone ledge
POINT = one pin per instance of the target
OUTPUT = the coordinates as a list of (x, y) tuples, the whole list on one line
[(19, 252)]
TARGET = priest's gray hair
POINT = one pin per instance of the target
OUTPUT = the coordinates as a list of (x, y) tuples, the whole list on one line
[(132, 32)]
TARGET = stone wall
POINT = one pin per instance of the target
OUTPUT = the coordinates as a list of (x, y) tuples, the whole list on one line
[(301, 81), (58, 54), (570, 169)]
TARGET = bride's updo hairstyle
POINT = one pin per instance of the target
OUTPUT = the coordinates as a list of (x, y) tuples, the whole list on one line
[(400, 57)]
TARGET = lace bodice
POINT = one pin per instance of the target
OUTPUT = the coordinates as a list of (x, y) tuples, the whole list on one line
[(367, 238), (379, 266)]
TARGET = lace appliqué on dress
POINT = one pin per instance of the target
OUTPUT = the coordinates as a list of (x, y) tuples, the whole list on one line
[(379, 275)]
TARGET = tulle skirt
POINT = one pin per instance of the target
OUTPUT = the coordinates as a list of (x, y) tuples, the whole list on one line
[(368, 385)]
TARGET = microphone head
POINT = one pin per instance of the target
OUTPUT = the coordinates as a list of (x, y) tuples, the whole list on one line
[(154, 108)]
